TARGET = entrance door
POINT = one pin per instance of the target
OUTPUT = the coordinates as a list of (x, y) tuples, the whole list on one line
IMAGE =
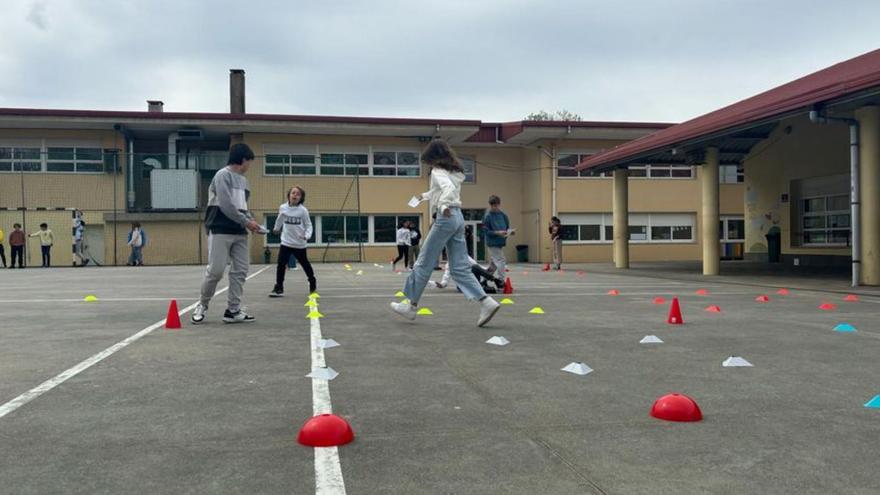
[(475, 242)]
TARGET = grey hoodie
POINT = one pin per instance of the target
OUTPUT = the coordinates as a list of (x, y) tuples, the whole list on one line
[(294, 224), (227, 211)]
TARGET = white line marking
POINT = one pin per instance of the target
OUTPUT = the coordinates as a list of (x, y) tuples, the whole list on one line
[(328, 470), (97, 358)]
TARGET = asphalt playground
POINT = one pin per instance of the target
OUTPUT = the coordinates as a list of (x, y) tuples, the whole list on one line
[(98, 397)]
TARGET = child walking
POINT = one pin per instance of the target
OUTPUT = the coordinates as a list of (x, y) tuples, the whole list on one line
[(296, 228), (447, 175), (403, 244), (137, 239)]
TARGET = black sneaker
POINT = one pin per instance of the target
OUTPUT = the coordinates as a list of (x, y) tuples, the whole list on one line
[(277, 291), (237, 317)]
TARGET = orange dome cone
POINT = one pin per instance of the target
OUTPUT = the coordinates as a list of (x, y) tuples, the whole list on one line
[(325, 430), (676, 407), (172, 320), (659, 300), (675, 313)]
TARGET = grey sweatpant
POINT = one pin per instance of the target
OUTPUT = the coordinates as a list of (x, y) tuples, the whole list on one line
[(223, 249)]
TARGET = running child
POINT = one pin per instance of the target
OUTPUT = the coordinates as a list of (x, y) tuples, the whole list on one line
[(296, 228)]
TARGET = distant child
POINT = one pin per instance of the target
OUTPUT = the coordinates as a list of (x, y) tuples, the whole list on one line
[(79, 228), (415, 235), (47, 238), (16, 243), (556, 240), (403, 243), (137, 239), (496, 226), (295, 227), (447, 174)]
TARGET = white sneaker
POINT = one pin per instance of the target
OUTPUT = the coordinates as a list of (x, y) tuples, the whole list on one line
[(404, 309), (198, 314), (488, 308)]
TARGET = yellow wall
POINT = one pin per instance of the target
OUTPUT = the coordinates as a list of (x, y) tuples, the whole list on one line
[(808, 150)]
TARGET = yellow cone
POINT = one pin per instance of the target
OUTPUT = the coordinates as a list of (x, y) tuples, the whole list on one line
[(359, 272), (399, 294), (347, 266), (537, 310), (314, 314), (90, 298), (314, 295), (506, 301), (424, 311), (311, 304)]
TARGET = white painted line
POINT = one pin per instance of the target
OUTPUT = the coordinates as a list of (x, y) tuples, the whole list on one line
[(328, 470), (88, 363)]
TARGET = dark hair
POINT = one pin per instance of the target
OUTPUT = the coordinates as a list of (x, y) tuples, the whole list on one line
[(494, 200), (555, 220), (16, 225), (136, 225), (302, 194), (238, 153), (439, 154), (44, 224)]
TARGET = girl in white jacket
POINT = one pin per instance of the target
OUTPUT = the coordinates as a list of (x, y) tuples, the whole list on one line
[(446, 231), (295, 227)]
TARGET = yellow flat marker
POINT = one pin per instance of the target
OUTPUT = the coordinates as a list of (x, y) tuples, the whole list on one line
[(311, 304), (404, 301), (90, 298), (359, 272), (314, 314), (314, 295), (537, 310), (425, 312), (347, 266), (506, 301), (400, 294)]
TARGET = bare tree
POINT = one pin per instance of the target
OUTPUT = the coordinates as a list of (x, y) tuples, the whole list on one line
[(563, 115)]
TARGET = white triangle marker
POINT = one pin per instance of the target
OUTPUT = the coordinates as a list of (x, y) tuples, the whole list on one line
[(651, 339), (323, 374), (327, 343), (498, 340), (734, 362), (578, 369)]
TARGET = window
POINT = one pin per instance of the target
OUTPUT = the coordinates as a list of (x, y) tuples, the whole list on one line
[(349, 229), (662, 171), (385, 227), (335, 160), (826, 220), (732, 232), (49, 156), (730, 174), (567, 161), (344, 164), (469, 164), (396, 163), (643, 227)]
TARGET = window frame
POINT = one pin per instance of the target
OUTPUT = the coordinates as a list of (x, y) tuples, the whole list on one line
[(825, 214), (41, 146), (647, 221), (317, 151), (317, 229)]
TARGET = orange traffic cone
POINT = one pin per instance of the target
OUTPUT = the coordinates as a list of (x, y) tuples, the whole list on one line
[(508, 286), (675, 313), (546, 267), (172, 321)]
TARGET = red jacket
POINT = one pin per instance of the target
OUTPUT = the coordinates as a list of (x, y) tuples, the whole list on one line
[(16, 238)]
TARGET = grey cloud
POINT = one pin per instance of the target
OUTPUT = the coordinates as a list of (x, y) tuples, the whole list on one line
[(37, 15)]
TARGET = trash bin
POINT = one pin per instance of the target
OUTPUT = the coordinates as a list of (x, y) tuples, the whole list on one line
[(522, 253), (774, 245)]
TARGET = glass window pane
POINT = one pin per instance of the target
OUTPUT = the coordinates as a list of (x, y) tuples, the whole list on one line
[(818, 237), (27, 154), (659, 172), (271, 237), (838, 221), (89, 154), (638, 232), (356, 229), (59, 166), (5, 153), (301, 170), (332, 229), (840, 237), (333, 158), (6, 166), (310, 159), (838, 203), (275, 169), (569, 232), (591, 232), (609, 233), (407, 158), (384, 228), (661, 234), (27, 166), (736, 229), (356, 159), (415, 219), (684, 172), (814, 205), (408, 171), (60, 154), (721, 229), (469, 166), (314, 228), (638, 172), (814, 222), (384, 158), (682, 233), (89, 167), (385, 171), (330, 170), (277, 159)]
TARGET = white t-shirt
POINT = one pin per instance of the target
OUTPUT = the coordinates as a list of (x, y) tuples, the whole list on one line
[(404, 237)]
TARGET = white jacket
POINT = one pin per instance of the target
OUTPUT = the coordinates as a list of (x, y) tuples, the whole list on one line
[(404, 237), (294, 224), (445, 190)]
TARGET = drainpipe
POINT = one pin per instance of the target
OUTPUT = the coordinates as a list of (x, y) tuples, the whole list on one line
[(855, 210), (172, 149)]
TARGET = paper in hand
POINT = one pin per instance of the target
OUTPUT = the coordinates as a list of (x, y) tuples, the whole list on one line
[(414, 201)]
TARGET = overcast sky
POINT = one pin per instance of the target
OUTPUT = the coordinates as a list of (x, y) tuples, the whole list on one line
[(491, 60)]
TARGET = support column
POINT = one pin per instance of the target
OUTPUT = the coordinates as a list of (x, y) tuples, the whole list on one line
[(710, 214), (620, 212), (869, 183)]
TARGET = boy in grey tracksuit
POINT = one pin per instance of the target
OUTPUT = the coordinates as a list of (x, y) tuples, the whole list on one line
[(228, 221)]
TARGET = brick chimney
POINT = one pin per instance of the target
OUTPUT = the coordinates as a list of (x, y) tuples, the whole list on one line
[(236, 91), (155, 106)]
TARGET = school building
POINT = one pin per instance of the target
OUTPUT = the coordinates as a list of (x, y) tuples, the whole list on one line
[(154, 167), (810, 157)]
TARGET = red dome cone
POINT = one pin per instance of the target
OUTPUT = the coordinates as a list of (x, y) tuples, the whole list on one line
[(782, 292), (325, 430), (508, 286), (851, 298), (702, 292), (613, 292), (676, 407), (762, 299), (172, 320), (827, 306), (675, 313), (713, 309), (659, 300)]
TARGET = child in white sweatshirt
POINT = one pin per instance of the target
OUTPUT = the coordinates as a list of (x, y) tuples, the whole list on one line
[(295, 227)]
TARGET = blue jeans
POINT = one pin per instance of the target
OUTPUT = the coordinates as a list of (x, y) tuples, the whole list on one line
[(446, 232)]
